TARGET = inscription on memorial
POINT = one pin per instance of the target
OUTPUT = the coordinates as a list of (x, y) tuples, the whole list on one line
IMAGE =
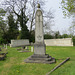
[(39, 37)]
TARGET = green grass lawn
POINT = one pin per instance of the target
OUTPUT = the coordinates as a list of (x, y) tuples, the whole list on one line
[(14, 63)]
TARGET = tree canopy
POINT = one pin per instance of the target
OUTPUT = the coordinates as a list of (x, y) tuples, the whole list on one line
[(68, 7)]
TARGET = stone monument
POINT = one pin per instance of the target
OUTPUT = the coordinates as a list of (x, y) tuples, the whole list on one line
[(39, 55)]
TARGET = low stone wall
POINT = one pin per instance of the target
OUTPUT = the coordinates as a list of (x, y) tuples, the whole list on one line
[(17, 43), (59, 42)]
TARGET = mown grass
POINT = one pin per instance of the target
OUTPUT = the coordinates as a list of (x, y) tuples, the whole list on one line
[(14, 63)]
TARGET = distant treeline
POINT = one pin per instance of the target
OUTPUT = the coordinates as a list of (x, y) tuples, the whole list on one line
[(57, 36)]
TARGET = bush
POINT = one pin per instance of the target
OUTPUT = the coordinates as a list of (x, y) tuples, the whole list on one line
[(48, 36), (2, 41), (73, 41), (32, 36)]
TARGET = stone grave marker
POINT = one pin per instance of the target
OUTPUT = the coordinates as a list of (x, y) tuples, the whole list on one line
[(6, 46), (39, 55), (31, 49), (20, 43)]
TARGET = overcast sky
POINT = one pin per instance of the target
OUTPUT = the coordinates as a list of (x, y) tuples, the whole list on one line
[(61, 24)]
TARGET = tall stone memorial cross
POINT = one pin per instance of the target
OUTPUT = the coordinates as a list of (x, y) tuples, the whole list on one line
[(39, 46), (39, 55)]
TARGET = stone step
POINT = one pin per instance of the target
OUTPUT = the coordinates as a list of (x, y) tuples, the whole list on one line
[(43, 59), (40, 61), (39, 56)]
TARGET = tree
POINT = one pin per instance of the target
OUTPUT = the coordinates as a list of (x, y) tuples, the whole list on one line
[(48, 22), (23, 21), (32, 36), (48, 36), (68, 5), (2, 21), (3, 26), (48, 15), (20, 12), (18, 8), (13, 31), (57, 35), (65, 36), (69, 10), (72, 29), (32, 11), (29, 8)]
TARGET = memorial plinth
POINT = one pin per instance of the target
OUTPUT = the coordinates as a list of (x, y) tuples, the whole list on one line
[(39, 55)]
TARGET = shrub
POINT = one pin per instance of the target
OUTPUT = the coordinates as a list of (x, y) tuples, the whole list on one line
[(73, 41), (48, 36)]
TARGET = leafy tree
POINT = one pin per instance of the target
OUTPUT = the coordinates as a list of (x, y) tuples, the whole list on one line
[(13, 28), (72, 30), (3, 26), (2, 21), (32, 36), (65, 36), (23, 21), (29, 8), (48, 36), (68, 5), (19, 9), (57, 35)]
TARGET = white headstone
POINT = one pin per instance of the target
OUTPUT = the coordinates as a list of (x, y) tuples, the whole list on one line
[(26, 48), (31, 49), (6, 46)]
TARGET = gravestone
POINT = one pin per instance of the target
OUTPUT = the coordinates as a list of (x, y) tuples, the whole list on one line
[(31, 49), (19, 43), (39, 55)]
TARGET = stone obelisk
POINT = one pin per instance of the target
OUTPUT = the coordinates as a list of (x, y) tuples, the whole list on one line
[(39, 46), (39, 55)]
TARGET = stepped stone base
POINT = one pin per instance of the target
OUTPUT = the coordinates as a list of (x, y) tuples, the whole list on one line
[(36, 58)]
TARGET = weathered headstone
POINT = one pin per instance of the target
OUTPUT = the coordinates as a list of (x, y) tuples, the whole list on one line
[(39, 55), (27, 48), (19, 43), (24, 49), (4, 45)]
